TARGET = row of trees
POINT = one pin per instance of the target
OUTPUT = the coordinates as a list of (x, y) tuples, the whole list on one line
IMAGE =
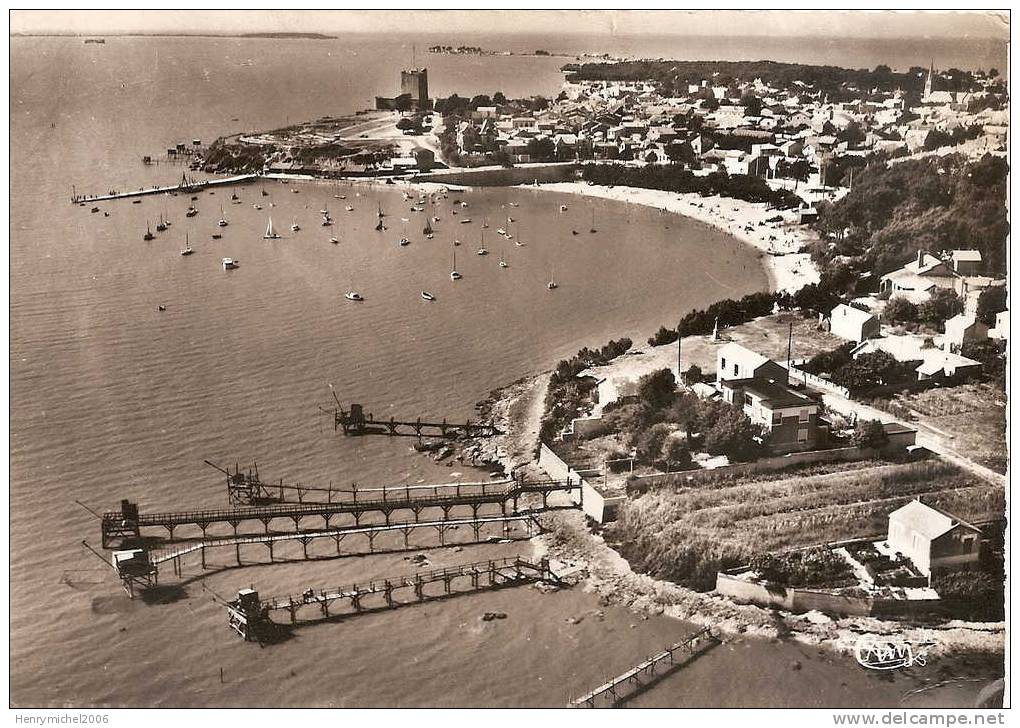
[(676, 178)]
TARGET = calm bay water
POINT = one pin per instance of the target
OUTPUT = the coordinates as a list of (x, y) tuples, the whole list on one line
[(112, 399)]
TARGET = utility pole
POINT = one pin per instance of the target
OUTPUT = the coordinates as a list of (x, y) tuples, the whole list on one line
[(789, 353), (679, 357)]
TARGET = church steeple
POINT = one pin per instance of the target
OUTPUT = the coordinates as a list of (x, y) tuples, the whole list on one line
[(928, 83)]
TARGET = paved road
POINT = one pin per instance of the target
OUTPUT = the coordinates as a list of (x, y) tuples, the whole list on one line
[(926, 437)]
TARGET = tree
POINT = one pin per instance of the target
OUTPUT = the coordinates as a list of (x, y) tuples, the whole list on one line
[(751, 103), (732, 434), (649, 444), (867, 371), (990, 302), (681, 153), (541, 149), (502, 158), (899, 310), (693, 374), (869, 434), (675, 453), (652, 157), (498, 98), (942, 305), (657, 389)]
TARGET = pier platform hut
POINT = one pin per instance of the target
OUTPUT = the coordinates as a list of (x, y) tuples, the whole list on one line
[(135, 569)]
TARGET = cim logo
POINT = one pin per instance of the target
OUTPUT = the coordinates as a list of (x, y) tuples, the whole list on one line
[(888, 653)]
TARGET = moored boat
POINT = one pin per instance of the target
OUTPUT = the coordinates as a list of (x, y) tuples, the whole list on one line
[(427, 296), (353, 296), (229, 263)]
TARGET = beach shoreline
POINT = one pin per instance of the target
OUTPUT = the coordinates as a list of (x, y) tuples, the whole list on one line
[(788, 269)]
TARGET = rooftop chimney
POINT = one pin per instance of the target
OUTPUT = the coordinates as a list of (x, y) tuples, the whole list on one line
[(920, 257)]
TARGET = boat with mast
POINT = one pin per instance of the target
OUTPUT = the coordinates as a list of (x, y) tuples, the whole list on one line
[(482, 250), (403, 238), (454, 275), (161, 225), (148, 233), (187, 246), (271, 234), (295, 227), (552, 279), (222, 222)]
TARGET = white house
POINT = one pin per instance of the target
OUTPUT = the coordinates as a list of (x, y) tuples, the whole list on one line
[(963, 329), (733, 361), (933, 540), (853, 324)]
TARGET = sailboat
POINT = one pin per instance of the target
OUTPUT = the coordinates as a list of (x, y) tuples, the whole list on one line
[(593, 230), (161, 225), (271, 234), (148, 233), (187, 246), (264, 193), (295, 227), (233, 196), (403, 239), (552, 279), (380, 226), (502, 261), (519, 242), (482, 250), (222, 222), (454, 275)]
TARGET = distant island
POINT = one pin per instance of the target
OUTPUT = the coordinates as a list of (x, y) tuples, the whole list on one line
[(309, 36)]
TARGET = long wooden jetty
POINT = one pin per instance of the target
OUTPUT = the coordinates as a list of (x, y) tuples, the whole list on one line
[(623, 686), (251, 617), (185, 186), (355, 422), (246, 488), (526, 522), (127, 524)]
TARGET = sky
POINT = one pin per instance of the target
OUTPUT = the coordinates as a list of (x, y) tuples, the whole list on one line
[(862, 24)]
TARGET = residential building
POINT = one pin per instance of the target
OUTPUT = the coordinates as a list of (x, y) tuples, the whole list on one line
[(932, 539), (789, 416), (853, 324), (963, 329), (966, 262), (916, 280), (734, 361)]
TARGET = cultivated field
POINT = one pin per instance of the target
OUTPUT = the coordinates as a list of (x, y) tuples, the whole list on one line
[(970, 418), (687, 535)]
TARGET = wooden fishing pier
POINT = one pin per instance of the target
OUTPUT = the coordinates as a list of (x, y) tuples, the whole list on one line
[(185, 186), (639, 677), (251, 617), (355, 422), (246, 488), (128, 523), (503, 527)]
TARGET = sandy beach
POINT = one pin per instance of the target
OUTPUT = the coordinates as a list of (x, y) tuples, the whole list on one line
[(788, 268)]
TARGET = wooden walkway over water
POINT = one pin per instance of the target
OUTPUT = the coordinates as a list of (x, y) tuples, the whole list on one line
[(251, 617), (183, 187), (127, 524), (626, 685), (504, 525), (355, 422)]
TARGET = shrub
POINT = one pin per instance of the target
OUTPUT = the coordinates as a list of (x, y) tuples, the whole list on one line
[(974, 595), (900, 310), (817, 567), (657, 389), (650, 443), (870, 434)]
